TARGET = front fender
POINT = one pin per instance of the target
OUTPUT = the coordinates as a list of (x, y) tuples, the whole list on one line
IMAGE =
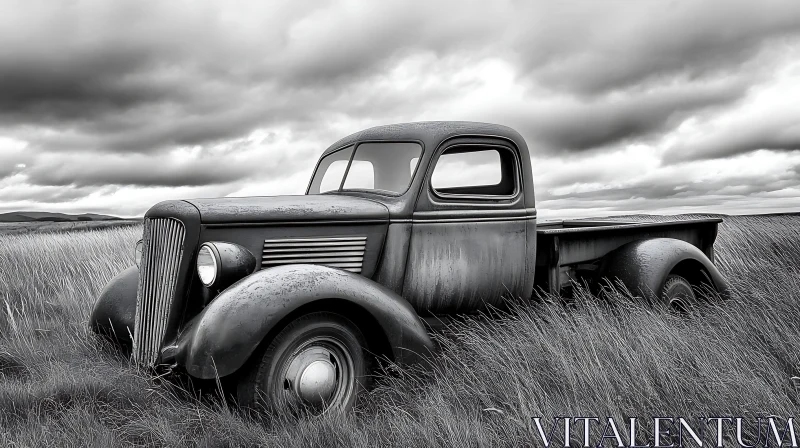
[(643, 266), (115, 311), (223, 336)]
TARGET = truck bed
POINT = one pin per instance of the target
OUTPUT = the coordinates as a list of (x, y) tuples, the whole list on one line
[(571, 249)]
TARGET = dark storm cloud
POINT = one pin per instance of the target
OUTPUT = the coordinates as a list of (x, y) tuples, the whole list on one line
[(104, 91), (82, 170), (133, 76), (104, 175), (50, 194), (652, 192), (773, 133), (11, 162), (580, 125), (77, 60), (152, 130), (735, 186), (140, 76), (614, 45), (577, 47)]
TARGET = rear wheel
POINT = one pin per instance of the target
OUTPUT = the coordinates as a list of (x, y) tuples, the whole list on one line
[(678, 294), (317, 363)]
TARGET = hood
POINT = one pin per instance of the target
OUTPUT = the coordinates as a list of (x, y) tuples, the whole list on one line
[(326, 207)]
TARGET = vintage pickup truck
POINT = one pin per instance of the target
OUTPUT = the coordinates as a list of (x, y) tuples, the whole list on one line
[(292, 299)]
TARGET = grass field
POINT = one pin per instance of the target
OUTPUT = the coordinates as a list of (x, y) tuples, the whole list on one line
[(23, 228), (59, 386)]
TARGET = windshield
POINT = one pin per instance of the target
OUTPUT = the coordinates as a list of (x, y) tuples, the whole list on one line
[(384, 167)]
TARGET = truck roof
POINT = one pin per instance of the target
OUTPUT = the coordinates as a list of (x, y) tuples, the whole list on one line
[(431, 133)]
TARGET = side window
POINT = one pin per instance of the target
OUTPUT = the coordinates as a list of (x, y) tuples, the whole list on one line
[(475, 170)]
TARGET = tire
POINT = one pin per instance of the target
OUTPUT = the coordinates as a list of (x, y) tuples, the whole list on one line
[(318, 362), (679, 295)]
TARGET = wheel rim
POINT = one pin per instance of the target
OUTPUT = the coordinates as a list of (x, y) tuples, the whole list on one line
[(318, 375), (681, 298)]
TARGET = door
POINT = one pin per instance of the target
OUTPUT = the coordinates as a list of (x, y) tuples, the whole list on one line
[(468, 236)]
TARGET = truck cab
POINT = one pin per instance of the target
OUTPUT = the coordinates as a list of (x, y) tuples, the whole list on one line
[(461, 230), (295, 298)]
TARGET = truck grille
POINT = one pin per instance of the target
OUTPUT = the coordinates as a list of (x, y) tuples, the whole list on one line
[(343, 252), (158, 274)]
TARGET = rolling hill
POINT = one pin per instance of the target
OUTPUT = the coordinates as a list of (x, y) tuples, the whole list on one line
[(53, 217)]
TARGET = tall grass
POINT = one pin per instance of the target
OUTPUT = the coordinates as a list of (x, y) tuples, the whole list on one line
[(60, 386)]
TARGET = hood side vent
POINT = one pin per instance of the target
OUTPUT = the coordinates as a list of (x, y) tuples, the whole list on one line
[(343, 252)]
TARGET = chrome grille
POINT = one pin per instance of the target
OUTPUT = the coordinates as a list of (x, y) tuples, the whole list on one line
[(343, 252), (158, 275)]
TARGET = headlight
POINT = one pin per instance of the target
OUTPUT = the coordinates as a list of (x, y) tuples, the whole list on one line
[(207, 264), (137, 253), (222, 264)]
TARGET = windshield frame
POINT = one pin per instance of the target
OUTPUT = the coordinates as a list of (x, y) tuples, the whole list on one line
[(355, 146)]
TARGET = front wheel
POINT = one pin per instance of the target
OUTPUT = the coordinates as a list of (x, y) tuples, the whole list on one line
[(318, 362)]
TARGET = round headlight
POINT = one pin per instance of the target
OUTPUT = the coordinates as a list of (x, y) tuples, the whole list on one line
[(207, 265), (137, 253)]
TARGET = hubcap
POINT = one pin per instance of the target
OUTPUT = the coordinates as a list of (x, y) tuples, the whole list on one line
[(317, 382), (319, 374)]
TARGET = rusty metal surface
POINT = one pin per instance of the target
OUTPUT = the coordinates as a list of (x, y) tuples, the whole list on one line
[(643, 266), (114, 312), (427, 131), (222, 337), (531, 248), (576, 247), (343, 252), (561, 252), (279, 209), (605, 226), (253, 238), (392, 270), (468, 252), (464, 266), (567, 223)]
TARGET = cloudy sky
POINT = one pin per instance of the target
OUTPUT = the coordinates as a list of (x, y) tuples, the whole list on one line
[(628, 106)]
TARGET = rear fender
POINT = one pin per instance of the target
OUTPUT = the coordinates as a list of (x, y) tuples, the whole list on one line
[(115, 311), (222, 337), (643, 266)]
